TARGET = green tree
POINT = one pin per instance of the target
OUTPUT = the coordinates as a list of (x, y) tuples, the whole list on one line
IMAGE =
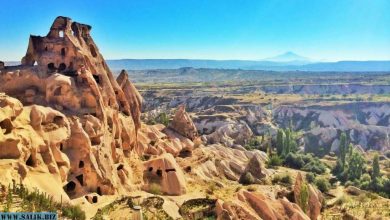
[(355, 166), (280, 142), (375, 167), (322, 184), (304, 197), (343, 148), (287, 142), (350, 150)]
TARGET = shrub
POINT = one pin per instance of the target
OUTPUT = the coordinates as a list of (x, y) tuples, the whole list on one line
[(154, 188), (253, 143), (305, 162), (73, 212), (342, 200), (310, 177), (162, 118), (322, 184), (252, 188), (284, 178), (274, 161), (387, 154), (315, 166), (365, 178), (294, 161), (246, 179)]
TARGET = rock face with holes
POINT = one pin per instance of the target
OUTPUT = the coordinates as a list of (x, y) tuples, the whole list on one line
[(32, 136), (164, 175), (81, 123), (96, 117)]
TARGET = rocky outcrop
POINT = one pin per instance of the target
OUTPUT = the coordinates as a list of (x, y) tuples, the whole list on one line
[(217, 161), (33, 138), (230, 210), (228, 134), (366, 124), (254, 205), (132, 96), (80, 123), (314, 201), (255, 168), (321, 89), (164, 175), (182, 124)]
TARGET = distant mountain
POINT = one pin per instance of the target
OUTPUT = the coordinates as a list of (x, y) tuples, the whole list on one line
[(150, 64), (289, 57), (345, 66)]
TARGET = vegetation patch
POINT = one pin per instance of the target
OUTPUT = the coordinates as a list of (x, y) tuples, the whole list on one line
[(198, 208), (17, 198)]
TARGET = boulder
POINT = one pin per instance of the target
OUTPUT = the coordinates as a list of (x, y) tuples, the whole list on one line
[(255, 168), (182, 124), (271, 209), (163, 171)]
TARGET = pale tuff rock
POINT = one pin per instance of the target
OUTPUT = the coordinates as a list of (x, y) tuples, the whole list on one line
[(133, 97), (269, 208), (164, 172), (182, 124), (255, 205), (84, 141), (230, 134), (217, 161), (256, 169), (32, 136), (366, 124)]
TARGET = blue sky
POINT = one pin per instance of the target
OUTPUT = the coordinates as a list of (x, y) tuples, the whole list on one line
[(210, 29)]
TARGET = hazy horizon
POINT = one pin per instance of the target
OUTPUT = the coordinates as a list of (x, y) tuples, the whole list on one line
[(324, 31)]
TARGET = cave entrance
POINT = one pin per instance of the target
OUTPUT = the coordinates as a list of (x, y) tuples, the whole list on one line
[(51, 67), (93, 50), (119, 167), (99, 191), (170, 170), (97, 78), (63, 52), (81, 164), (6, 124), (59, 120), (159, 173), (71, 186), (80, 178), (61, 67), (30, 161)]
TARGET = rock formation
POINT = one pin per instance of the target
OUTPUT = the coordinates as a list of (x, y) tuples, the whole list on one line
[(255, 205), (315, 199), (256, 169), (80, 122), (164, 172), (69, 128), (217, 161), (182, 124)]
